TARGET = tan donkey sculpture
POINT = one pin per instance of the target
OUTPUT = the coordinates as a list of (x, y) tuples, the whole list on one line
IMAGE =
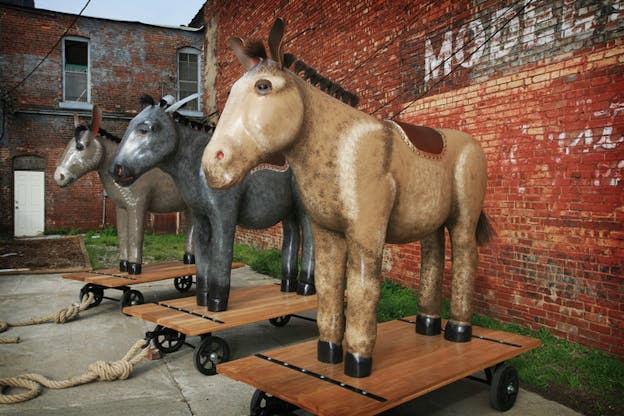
[(363, 182)]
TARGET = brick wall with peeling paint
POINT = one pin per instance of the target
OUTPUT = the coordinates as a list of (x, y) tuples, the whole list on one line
[(539, 84), (126, 61)]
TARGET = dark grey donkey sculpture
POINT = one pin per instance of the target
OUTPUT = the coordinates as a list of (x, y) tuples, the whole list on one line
[(161, 137), (92, 148)]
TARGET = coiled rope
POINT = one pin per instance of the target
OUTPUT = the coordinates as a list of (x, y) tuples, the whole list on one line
[(66, 314), (100, 371)]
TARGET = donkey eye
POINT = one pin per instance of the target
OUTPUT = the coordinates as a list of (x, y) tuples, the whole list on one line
[(144, 128), (263, 87)]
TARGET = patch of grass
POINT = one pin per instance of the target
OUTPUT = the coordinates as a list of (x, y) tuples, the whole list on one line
[(159, 248), (262, 261), (103, 248), (395, 302)]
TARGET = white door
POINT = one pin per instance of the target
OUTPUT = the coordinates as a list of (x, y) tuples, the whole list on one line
[(29, 202)]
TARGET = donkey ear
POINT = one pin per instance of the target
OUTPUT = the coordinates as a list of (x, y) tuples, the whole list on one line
[(275, 41), (239, 49), (76, 120), (96, 120)]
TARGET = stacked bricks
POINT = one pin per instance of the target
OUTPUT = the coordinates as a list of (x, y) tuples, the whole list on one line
[(539, 84)]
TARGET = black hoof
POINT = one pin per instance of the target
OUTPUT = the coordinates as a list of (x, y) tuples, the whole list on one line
[(288, 285), (356, 366), (134, 268), (188, 258), (328, 352), (123, 266), (427, 325), (217, 305), (202, 298), (306, 289), (457, 332)]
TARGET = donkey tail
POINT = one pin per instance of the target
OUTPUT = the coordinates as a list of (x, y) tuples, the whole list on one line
[(485, 231)]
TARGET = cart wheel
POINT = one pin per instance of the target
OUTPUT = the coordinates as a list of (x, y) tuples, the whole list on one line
[(210, 352), (168, 340), (131, 297), (280, 320), (183, 283), (98, 293), (263, 404), (504, 387), (259, 404)]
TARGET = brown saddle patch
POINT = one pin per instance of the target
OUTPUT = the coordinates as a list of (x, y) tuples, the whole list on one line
[(276, 162), (423, 138)]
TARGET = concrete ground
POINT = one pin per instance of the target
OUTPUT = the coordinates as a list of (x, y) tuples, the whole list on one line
[(172, 385)]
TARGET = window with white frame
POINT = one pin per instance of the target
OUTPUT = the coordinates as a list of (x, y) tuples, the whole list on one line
[(76, 72), (189, 78)]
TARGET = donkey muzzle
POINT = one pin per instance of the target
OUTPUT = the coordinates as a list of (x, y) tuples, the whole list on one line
[(63, 177), (123, 175)]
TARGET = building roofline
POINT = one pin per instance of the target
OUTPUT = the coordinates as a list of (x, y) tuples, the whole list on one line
[(39, 11)]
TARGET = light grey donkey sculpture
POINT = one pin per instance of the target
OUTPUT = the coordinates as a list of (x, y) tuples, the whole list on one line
[(92, 149)]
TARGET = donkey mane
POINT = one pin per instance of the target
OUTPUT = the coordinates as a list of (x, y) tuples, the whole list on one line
[(148, 100), (325, 84), (109, 136), (101, 132), (255, 49), (180, 119)]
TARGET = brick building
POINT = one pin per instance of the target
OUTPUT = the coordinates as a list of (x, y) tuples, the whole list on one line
[(540, 84), (54, 64)]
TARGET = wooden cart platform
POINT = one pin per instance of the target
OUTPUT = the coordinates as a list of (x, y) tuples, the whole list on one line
[(246, 305), (406, 365), (182, 317), (99, 280), (113, 278)]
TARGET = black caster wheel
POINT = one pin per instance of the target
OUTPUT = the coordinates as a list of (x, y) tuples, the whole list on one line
[(168, 340), (504, 387), (210, 352), (130, 298), (280, 320), (98, 294), (183, 283), (263, 404)]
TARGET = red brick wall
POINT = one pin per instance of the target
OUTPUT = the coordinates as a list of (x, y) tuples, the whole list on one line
[(545, 99), (126, 61)]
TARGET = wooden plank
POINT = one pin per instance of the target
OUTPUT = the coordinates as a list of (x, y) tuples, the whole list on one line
[(81, 276), (150, 273), (406, 365), (246, 305)]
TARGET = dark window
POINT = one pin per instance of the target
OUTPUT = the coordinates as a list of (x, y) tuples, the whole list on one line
[(76, 70), (188, 76)]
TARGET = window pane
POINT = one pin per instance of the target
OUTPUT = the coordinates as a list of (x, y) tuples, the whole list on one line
[(76, 70), (188, 78), (76, 53), (186, 89), (75, 86)]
